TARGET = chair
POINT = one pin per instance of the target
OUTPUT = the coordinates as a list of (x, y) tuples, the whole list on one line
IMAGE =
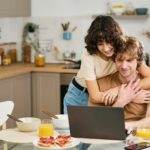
[(6, 107)]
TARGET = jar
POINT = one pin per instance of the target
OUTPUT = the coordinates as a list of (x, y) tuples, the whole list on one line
[(39, 59), (1, 55), (6, 60), (13, 52), (26, 55)]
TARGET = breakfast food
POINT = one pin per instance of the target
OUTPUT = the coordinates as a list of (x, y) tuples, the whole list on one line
[(46, 142), (60, 140)]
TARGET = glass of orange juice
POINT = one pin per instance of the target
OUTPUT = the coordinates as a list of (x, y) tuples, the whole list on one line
[(143, 133), (46, 128)]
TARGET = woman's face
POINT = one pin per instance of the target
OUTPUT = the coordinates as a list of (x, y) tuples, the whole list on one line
[(106, 49)]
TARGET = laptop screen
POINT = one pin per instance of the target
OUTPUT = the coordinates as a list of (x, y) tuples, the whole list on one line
[(100, 122)]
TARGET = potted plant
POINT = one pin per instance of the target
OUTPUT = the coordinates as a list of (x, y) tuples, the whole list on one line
[(30, 40)]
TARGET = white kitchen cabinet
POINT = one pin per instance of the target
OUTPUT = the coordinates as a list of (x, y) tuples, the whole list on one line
[(22, 95), (15, 8), (45, 93), (6, 89), (17, 89)]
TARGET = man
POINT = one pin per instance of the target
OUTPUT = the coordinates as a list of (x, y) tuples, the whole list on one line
[(127, 59)]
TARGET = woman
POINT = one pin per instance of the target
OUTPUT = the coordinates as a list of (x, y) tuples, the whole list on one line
[(97, 62)]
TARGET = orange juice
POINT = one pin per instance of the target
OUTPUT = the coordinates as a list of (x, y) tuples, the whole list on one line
[(46, 130), (143, 133)]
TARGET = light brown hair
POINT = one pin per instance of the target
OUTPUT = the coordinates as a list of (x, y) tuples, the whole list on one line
[(131, 47)]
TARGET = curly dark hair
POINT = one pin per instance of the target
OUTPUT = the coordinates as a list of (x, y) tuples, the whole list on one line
[(130, 46), (102, 29)]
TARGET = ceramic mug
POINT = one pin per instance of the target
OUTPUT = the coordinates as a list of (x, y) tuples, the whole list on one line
[(67, 35)]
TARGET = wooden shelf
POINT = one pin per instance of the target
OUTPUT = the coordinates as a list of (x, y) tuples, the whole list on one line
[(131, 17)]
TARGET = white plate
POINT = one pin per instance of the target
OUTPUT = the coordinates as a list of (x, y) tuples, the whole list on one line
[(74, 142), (15, 136)]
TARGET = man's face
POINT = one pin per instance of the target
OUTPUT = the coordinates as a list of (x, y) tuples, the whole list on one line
[(126, 66)]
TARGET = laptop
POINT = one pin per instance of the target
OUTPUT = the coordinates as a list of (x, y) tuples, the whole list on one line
[(100, 122)]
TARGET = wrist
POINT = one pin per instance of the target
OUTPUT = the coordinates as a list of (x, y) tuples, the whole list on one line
[(119, 103)]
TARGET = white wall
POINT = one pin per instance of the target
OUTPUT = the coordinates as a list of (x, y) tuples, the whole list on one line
[(50, 26), (76, 7), (67, 7)]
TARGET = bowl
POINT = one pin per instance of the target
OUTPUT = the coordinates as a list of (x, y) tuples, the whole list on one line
[(141, 11), (118, 8), (29, 124), (62, 121)]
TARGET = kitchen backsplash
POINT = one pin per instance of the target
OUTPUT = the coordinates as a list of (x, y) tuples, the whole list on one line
[(51, 33)]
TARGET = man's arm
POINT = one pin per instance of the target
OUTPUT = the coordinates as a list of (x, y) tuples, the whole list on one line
[(142, 97), (143, 123), (148, 110), (144, 70)]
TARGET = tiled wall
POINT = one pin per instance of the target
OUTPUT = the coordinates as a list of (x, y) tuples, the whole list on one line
[(51, 31)]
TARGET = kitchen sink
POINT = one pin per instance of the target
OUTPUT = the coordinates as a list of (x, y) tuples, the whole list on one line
[(72, 66)]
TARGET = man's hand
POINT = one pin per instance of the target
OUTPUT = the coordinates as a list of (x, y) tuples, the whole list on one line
[(143, 96), (110, 96)]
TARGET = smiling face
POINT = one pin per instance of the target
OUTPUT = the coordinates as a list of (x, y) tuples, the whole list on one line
[(126, 66), (105, 49), (128, 57)]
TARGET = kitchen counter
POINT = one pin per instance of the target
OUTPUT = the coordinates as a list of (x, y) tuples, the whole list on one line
[(20, 68)]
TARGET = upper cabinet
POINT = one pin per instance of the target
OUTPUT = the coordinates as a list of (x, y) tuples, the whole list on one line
[(15, 8)]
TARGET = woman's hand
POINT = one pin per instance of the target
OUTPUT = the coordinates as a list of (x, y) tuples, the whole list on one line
[(127, 93), (109, 96), (143, 96)]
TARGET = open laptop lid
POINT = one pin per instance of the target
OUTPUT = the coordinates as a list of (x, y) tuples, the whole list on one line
[(100, 122)]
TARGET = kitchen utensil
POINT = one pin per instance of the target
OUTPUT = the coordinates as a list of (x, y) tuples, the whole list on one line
[(49, 114), (73, 64), (14, 118), (67, 35), (74, 29), (73, 61), (65, 26), (28, 124), (141, 11), (62, 121), (117, 8)]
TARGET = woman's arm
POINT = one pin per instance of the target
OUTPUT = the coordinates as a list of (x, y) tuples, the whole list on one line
[(94, 92), (144, 70), (96, 96)]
